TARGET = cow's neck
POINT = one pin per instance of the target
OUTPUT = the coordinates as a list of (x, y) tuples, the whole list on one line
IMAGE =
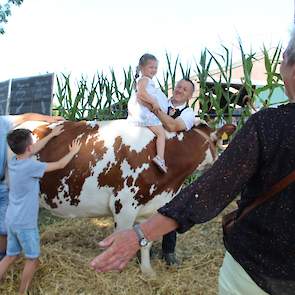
[(208, 139)]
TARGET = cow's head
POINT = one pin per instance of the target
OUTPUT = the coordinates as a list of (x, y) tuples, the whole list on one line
[(214, 138)]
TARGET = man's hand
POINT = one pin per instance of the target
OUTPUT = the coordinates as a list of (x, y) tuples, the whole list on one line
[(57, 130), (155, 107), (54, 119), (120, 247)]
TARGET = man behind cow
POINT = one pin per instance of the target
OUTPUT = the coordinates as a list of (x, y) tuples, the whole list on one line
[(6, 124), (180, 117)]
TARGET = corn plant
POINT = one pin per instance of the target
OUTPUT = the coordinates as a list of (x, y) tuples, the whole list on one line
[(274, 79)]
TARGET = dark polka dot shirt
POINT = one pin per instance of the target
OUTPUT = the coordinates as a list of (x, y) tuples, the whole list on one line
[(261, 154)]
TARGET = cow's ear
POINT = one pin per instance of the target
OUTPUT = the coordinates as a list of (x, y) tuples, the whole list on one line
[(225, 131)]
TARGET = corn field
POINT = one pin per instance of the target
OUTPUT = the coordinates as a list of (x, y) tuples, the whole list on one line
[(106, 98)]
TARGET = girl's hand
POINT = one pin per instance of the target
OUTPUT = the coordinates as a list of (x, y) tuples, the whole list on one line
[(75, 146)]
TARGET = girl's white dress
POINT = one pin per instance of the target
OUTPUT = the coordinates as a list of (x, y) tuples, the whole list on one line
[(140, 115)]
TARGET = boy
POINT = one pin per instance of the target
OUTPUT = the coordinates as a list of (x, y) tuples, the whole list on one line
[(22, 213), (8, 123)]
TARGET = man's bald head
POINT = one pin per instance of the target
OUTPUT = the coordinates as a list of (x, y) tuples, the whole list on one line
[(183, 91)]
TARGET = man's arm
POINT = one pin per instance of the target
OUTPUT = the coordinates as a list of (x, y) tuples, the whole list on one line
[(19, 119), (39, 145), (170, 124)]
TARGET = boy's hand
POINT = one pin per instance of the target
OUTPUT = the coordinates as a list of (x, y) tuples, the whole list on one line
[(75, 146), (57, 130)]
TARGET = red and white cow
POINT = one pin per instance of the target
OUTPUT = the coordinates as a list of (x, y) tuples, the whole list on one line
[(113, 173)]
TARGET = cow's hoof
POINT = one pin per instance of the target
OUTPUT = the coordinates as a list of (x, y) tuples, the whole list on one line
[(148, 272), (170, 259)]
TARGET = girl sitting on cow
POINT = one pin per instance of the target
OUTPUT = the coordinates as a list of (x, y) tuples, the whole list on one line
[(141, 115)]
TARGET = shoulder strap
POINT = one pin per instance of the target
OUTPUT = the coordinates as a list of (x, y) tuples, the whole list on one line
[(275, 189)]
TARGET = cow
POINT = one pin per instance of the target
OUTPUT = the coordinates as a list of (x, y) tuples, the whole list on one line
[(113, 173)]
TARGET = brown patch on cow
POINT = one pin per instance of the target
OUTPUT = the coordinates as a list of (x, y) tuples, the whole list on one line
[(129, 181), (118, 206), (79, 168), (189, 152)]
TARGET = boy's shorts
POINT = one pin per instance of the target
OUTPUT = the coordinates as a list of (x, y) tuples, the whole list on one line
[(26, 240), (3, 209)]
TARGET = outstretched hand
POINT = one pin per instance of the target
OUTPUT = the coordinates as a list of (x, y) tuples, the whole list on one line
[(57, 130), (54, 119), (75, 146), (120, 247)]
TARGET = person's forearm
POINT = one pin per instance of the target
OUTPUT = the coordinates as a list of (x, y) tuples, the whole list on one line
[(157, 226), (168, 122), (63, 162), (40, 144), (36, 117)]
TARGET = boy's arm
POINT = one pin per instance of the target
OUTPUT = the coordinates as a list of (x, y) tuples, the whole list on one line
[(39, 145), (74, 149)]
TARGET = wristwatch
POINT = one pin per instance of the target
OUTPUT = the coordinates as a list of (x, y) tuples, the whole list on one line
[(142, 240)]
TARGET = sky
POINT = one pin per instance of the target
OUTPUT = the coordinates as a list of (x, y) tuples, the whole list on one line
[(86, 36)]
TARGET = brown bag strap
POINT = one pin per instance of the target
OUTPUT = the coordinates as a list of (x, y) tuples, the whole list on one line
[(276, 188)]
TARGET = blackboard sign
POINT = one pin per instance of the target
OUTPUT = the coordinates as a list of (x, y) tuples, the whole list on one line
[(31, 95), (4, 93)]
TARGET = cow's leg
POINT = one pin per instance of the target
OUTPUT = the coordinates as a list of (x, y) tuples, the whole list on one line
[(145, 265), (125, 219)]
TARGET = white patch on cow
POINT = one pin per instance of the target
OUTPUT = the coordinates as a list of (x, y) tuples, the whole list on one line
[(31, 125), (128, 171), (170, 135), (152, 189), (64, 188), (151, 207), (180, 136), (208, 161), (53, 125), (92, 124)]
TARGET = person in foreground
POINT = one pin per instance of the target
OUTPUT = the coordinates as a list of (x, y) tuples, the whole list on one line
[(6, 124), (22, 212), (259, 256)]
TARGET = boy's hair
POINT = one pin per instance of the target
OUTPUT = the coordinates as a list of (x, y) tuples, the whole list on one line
[(19, 139), (142, 62)]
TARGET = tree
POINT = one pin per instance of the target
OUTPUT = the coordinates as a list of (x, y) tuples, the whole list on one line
[(5, 12)]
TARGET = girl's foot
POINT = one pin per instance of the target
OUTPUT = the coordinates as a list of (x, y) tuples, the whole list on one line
[(160, 164)]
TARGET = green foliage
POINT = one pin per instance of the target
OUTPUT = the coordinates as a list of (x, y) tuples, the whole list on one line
[(101, 99), (5, 12), (105, 98)]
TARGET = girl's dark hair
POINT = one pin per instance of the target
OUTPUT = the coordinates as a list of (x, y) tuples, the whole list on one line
[(19, 139), (142, 62)]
